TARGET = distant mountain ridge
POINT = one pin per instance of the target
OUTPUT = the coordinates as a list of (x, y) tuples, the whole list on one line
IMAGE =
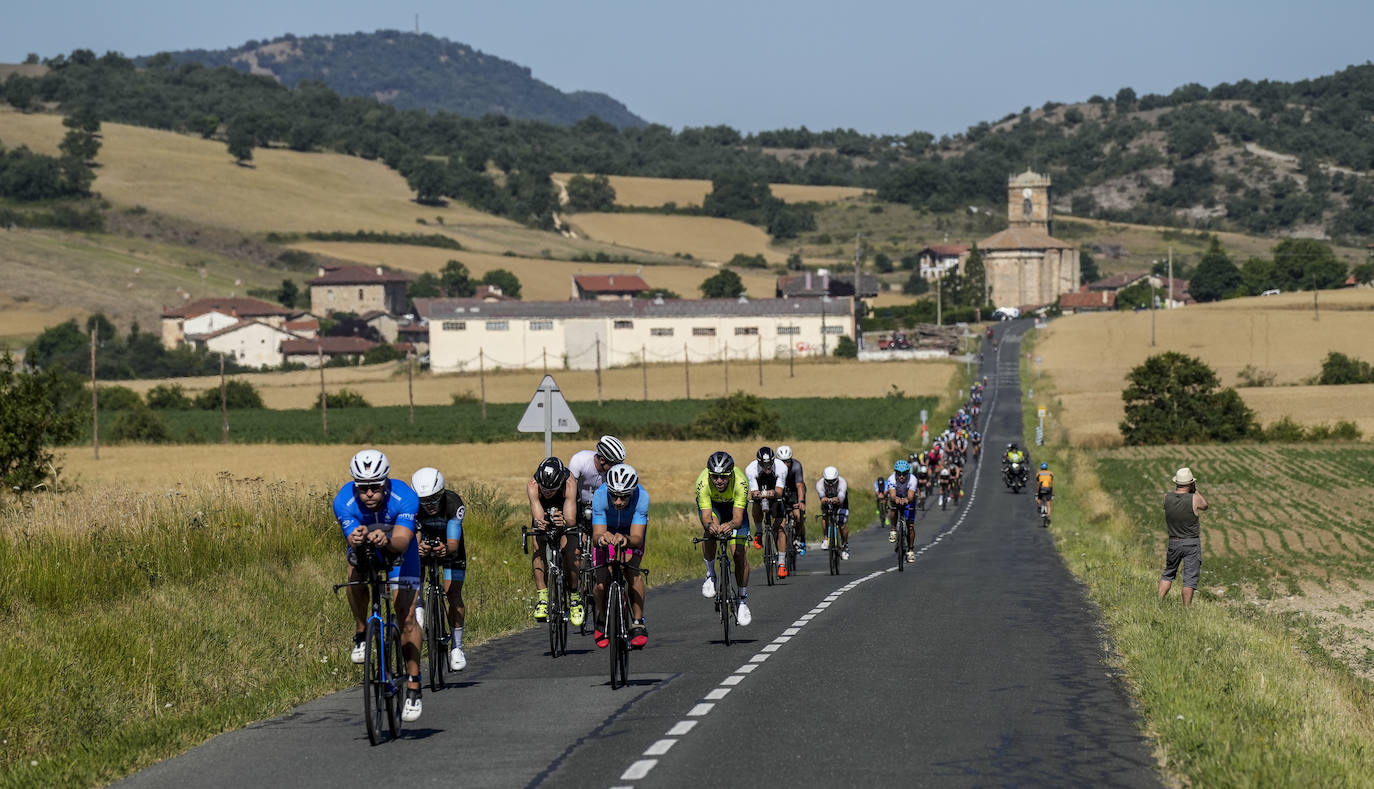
[(416, 71)]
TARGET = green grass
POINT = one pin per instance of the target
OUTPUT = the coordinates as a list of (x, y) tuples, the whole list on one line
[(1231, 695), (814, 419), (137, 628)]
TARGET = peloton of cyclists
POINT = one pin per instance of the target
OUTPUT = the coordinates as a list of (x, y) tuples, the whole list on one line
[(620, 519), (378, 512), (722, 493), (440, 519), (834, 489), (767, 475), (552, 493)]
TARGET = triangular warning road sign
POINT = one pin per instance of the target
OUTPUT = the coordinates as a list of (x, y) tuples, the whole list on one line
[(562, 421)]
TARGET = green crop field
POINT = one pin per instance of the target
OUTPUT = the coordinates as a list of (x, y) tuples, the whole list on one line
[(814, 419)]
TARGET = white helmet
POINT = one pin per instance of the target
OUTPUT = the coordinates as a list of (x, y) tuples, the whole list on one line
[(427, 482), (830, 474), (610, 448), (370, 465), (784, 452), (621, 479)]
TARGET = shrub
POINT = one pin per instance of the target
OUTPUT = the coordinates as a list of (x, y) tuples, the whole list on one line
[(1284, 430), (846, 348), (31, 420), (118, 398), (383, 353), (140, 424), (1339, 369), (344, 398), (740, 415), (237, 394), (168, 397), (1173, 398), (1250, 375), (464, 397)]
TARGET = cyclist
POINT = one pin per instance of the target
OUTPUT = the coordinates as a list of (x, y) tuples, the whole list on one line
[(588, 468), (620, 518), (879, 496), (441, 534), (833, 488), (377, 511), (901, 492), (975, 442), (794, 493), (553, 499), (722, 491), (767, 475), (1044, 489), (946, 479), (922, 472)]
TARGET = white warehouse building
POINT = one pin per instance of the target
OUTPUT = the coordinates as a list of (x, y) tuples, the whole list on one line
[(464, 333)]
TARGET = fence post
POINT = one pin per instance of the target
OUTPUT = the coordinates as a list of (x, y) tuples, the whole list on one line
[(324, 399), (725, 352), (223, 401), (410, 382), (644, 367)]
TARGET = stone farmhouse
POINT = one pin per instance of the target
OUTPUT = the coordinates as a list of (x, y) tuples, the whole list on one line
[(206, 316), (359, 290)]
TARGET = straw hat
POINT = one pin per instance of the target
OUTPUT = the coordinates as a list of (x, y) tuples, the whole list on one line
[(1184, 477)]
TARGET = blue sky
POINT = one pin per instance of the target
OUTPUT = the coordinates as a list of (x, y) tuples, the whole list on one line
[(879, 66)]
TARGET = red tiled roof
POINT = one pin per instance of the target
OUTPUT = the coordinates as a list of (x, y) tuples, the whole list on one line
[(1088, 300), (236, 307), (304, 324), (359, 275), (946, 250), (330, 345), (611, 283), (235, 327)]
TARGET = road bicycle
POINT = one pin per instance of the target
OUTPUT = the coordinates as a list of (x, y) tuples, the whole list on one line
[(618, 617), (437, 635), (901, 516), (555, 582), (585, 581), (1044, 512), (384, 669), (832, 535), (944, 494), (770, 543), (727, 596), (789, 538)]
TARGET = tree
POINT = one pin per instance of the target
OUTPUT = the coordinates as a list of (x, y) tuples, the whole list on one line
[(101, 327), (590, 194), (1173, 398), (1305, 264), (237, 394), (882, 263), (1087, 268), (724, 285), (289, 293), (429, 182), (31, 421), (738, 416), (1363, 273), (56, 344), (1216, 276), (1339, 369), (1257, 275), (505, 280), (915, 284), (1138, 296), (456, 281), (425, 286), (168, 397), (240, 143), (846, 348), (973, 290), (794, 262), (79, 145)]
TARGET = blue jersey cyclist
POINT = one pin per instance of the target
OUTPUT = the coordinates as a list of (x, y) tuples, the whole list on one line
[(620, 519), (440, 519), (901, 493), (377, 515)]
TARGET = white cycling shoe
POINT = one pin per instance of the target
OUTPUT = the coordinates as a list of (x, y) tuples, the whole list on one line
[(457, 661), (411, 711), (419, 616), (911, 556), (708, 589), (359, 653), (845, 554), (742, 614)]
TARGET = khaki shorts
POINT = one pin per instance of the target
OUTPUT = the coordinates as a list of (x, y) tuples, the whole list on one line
[(1187, 552)]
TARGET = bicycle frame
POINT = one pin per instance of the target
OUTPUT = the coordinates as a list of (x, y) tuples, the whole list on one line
[(618, 613), (555, 583), (436, 628), (384, 670), (726, 600)]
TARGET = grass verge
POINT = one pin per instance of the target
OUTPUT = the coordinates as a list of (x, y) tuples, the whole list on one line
[(1230, 696)]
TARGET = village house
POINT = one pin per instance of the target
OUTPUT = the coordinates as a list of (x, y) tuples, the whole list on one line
[(359, 290), (608, 287), (934, 262), (818, 283), (310, 352), (205, 316), (250, 343)]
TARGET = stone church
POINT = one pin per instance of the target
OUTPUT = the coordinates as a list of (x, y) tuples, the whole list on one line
[(1026, 265)]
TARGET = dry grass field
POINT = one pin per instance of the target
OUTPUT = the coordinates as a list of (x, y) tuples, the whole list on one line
[(385, 384), (540, 279), (705, 238), (188, 177), (654, 192), (667, 468), (22, 318), (1088, 356)]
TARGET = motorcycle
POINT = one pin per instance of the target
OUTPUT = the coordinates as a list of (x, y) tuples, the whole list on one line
[(1015, 477)]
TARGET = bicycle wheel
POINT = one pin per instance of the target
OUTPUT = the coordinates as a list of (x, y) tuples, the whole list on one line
[(770, 554), (612, 632), (396, 671), (789, 535), (584, 585), (374, 682), (727, 598), (435, 620), (556, 608), (834, 550), (622, 635), (901, 545)]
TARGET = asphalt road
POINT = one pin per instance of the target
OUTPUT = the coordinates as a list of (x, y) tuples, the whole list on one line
[(980, 665)]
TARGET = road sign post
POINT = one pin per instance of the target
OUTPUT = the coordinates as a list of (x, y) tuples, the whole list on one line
[(548, 412)]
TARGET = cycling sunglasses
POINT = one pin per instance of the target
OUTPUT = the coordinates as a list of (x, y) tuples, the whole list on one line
[(369, 487), (433, 500), (720, 476), (618, 496)]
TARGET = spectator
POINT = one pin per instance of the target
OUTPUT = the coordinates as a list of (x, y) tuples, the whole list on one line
[(1181, 508)]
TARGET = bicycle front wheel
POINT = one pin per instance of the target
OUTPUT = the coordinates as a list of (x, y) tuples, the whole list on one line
[(614, 624), (374, 682), (434, 635), (727, 597), (557, 624), (790, 545), (396, 678), (770, 554), (901, 546)]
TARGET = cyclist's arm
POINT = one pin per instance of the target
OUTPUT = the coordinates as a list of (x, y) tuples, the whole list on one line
[(347, 518), (570, 502), (537, 514), (455, 530), (403, 530)]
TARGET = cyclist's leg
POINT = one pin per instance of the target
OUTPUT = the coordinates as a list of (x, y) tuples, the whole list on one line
[(599, 586), (357, 595), (636, 583), (406, 578), (842, 518), (800, 515), (537, 562), (910, 516), (741, 536)]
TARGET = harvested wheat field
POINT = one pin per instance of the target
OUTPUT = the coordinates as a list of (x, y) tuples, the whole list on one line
[(654, 192), (667, 469), (385, 384), (1088, 356), (192, 178), (540, 279), (22, 318), (702, 237)]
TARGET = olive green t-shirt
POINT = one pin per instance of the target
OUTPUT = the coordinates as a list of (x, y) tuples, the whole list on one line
[(1179, 515)]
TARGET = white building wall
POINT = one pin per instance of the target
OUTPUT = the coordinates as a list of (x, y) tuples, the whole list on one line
[(255, 345), (208, 322)]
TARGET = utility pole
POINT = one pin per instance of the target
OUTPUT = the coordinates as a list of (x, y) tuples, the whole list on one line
[(482, 376), (410, 382), (687, 370), (858, 277), (95, 410), (792, 354), (223, 401), (598, 372), (939, 286), (725, 355), (644, 367), (324, 399), (1169, 302), (760, 338)]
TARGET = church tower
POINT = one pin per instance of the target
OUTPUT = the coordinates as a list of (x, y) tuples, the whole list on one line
[(1028, 202)]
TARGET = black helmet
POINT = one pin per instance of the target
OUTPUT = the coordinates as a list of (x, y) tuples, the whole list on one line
[(720, 462), (765, 456), (551, 474)]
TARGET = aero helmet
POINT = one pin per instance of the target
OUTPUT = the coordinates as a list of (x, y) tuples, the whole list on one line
[(784, 452), (427, 482), (369, 465), (610, 448), (551, 474), (720, 463), (621, 479)]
